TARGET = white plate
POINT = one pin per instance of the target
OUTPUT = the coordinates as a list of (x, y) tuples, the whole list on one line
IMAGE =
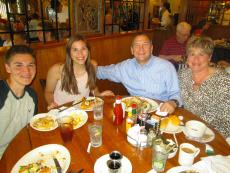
[(76, 114), (78, 106), (154, 105), (177, 130), (54, 112), (179, 169), (46, 153), (207, 137), (42, 115), (100, 165), (200, 167)]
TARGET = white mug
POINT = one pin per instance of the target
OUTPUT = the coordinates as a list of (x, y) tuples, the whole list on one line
[(187, 154)]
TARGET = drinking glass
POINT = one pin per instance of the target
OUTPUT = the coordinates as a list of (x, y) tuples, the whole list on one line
[(114, 166), (159, 160), (66, 128), (95, 134), (98, 110)]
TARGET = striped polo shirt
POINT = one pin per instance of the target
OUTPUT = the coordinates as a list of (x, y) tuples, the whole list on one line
[(172, 47)]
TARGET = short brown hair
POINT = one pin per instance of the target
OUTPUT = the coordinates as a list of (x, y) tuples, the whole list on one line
[(141, 34), (18, 49)]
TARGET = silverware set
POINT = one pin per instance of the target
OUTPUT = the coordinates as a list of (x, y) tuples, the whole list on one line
[(83, 99)]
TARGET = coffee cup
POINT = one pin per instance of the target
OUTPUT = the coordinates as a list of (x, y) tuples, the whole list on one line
[(187, 153), (195, 128)]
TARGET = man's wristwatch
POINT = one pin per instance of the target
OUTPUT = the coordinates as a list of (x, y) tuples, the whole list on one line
[(175, 101)]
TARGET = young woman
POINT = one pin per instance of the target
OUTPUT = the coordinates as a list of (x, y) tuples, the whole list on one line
[(205, 90), (74, 79)]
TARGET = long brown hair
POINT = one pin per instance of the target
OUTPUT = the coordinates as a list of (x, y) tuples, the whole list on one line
[(69, 82)]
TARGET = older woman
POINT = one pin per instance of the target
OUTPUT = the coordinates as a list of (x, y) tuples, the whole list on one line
[(205, 90)]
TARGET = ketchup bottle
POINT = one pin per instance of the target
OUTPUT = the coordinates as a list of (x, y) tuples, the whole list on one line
[(118, 111)]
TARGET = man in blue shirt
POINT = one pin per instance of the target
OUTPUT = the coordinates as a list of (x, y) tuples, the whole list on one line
[(145, 75)]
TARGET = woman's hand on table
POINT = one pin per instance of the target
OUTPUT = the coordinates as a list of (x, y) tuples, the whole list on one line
[(168, 106), (106, 93), (52, 105)]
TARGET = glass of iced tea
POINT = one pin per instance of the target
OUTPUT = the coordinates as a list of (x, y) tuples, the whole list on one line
[(66, 128)]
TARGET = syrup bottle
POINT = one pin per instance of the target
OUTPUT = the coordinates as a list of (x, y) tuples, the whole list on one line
[(118, 111)]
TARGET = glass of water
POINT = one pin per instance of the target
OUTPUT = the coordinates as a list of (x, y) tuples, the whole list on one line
[(95, 134), (98, 110), (159, 158)]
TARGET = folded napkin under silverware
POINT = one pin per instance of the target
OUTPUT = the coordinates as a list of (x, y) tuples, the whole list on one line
[(58, 166)]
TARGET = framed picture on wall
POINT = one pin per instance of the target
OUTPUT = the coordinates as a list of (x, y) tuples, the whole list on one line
[(88, 16)]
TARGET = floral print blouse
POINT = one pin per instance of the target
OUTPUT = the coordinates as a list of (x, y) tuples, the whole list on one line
[(211, 101)]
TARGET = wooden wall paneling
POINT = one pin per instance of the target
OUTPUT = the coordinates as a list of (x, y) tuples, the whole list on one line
[(199, 10), (111, 50), (3, 72), (46, 57), (219, 32)]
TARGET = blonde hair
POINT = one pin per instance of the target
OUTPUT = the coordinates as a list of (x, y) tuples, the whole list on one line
[(183, 26), (204, 43)]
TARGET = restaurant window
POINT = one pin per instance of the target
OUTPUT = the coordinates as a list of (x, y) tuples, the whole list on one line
[(31, 21), (220, 12), (123, 15)]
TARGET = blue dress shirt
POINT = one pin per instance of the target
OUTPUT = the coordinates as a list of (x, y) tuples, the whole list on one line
[(157, 79)]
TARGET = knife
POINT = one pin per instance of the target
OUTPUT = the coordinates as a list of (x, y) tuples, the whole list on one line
[(57, 164), (83, 99)]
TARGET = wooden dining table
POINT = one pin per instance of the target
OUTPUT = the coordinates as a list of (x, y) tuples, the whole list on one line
[(114, 137)]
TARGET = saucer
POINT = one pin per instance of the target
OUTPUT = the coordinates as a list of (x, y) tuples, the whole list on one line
[(208, 136), (101, 167)]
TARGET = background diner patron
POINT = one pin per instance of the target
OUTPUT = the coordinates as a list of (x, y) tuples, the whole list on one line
[(173, 49)]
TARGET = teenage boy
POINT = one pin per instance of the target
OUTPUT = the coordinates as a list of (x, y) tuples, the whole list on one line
[(18, 102)]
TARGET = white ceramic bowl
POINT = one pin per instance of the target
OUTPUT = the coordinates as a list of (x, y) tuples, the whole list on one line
[(195, 128), (174, 151)]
